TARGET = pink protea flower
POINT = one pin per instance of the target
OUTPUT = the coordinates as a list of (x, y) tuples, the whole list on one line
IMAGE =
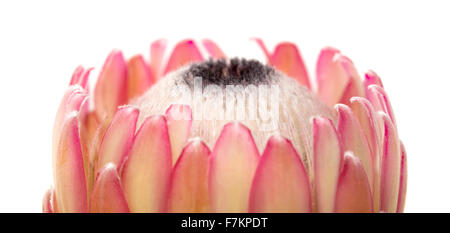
[(145, 145)]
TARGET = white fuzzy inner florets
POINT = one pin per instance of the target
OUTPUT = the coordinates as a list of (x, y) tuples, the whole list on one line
[(276, 105)]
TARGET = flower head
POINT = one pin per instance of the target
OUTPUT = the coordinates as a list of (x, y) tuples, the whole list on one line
[(226, 135)]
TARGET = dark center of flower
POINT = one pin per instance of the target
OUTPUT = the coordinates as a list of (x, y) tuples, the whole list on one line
[(236, 71)]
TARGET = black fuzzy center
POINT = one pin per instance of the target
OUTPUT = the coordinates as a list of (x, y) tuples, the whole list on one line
[(236, 71)]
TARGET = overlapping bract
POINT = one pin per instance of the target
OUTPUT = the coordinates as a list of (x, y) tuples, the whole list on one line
[(103, 163)]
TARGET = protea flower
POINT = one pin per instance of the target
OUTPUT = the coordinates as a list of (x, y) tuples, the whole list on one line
[(144, 145)]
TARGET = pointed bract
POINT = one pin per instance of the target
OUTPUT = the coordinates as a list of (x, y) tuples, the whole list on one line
[(390, 168), (213, 49), (371, 78), (380, 101), (281, 183), (140, 78), (76, 75), (366, 116), (354, 86), (47, 202), (72, 101), (232, 166), (118, 137), (146, 172), (286, 58), (332, 79), (80, 77), (111, 88), (263, 47), (370, 124), (189, 182), (107, 195), (353, 139), (184, 53), (157, 50), (327, 163), (63, 110), (84, 79), (353, 193), (70, 181), (179, 122), (87, 125), (403, 181)]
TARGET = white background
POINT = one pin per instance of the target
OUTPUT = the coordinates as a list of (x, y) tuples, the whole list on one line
[(41, 42)]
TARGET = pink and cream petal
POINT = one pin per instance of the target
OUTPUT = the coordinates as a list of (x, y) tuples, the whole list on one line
[(157, 50), (118, 137), (184, 53), (72, 100), (84, 124), (371, 78), (76, 75), (47, 202), (111, 88), (139, 77), (353, 193), (107, 195), (390, 167), (366, 116), (84, 79), (76, 101), (91, 142), (179, 122), (263, 47), (403, 181), (213, 49), (146, 172), (327, 163), (380, 101), (286, 58), (232, 166), (353, 139), (70, 181), (369, 123), (89, 127), (80, 77), (281, 183), (332, 78), (189, 182), (62, 111), (354, 86)]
